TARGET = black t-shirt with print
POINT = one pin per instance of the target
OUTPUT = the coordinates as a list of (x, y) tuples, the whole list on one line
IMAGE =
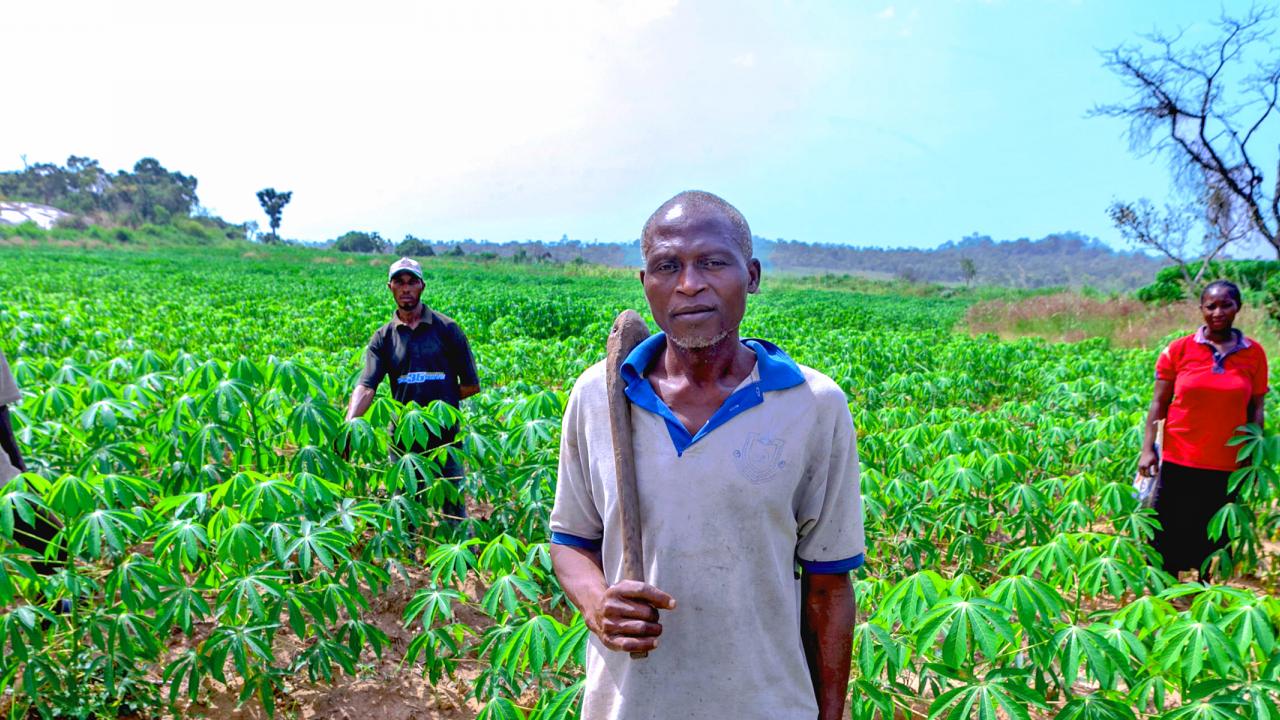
[(429, 362)]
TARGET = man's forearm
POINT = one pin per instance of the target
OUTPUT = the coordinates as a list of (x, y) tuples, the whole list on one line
[(580, 574), (361, 399), (829, 614)]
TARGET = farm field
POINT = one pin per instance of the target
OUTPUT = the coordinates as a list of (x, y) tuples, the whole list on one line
[(233, 541)]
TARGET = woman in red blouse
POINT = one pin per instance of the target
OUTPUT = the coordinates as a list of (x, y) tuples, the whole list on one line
[(1207, 384)]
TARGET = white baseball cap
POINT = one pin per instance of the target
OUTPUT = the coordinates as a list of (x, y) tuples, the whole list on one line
[(405, 264)]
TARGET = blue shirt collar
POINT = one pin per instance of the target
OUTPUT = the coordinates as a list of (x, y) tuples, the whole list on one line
[(775, 370)]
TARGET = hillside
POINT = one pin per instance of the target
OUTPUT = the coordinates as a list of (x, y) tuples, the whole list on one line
[(81, 202), (1055, 261), (1063, 259)]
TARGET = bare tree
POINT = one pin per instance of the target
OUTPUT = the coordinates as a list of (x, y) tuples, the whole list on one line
[(1211, 108), (1168, 232)]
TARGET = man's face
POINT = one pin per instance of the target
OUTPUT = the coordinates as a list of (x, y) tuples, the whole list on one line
[(695, 277), (406, 288)]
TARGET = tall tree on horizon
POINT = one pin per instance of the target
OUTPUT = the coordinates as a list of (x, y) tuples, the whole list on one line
[(969, 269), (273, 203)]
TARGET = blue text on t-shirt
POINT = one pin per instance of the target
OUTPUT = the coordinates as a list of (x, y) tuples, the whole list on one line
[(414, 378)]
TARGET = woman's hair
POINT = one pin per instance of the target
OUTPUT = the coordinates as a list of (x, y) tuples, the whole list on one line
[(1232, 290)]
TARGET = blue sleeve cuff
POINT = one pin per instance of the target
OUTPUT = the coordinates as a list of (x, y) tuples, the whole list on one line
[(833, 567), (575, 541)]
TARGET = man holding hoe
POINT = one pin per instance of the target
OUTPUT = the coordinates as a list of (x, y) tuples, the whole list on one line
[(746, 468)]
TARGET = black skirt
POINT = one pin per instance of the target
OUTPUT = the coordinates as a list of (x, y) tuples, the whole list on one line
[(1188, 499)]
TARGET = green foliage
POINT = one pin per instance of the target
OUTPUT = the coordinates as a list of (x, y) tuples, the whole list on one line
[(356, 241), (1271, 297), (411, 246), (181, 232), (1261, 276), (1163, 291), (273, 203), (148, 194), (223, 524)]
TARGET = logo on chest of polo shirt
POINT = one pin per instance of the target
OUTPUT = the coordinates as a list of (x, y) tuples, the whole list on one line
[(760, 458), (415, 378)]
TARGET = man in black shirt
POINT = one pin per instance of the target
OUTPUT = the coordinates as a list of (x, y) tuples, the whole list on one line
[(427, 358)]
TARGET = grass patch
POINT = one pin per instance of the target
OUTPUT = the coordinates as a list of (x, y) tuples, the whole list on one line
[(1124, 321), (868, 284), (182, 232)]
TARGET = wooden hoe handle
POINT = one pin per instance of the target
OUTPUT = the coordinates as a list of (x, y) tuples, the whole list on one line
[(629, 330)]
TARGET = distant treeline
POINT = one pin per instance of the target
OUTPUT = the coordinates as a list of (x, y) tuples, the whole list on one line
[(149, 194), (563, 250), (1064, 259)]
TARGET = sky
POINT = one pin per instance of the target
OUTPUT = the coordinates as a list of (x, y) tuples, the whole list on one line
[(889, 123)]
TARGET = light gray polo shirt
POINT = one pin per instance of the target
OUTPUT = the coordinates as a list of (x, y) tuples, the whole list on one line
[(770, 482), (9, 395)]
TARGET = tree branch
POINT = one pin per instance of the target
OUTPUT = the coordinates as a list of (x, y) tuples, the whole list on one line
[(1208, 258), (1212, 141), (1275, 198)]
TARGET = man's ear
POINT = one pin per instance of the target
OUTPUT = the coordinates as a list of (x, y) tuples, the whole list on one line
[(753, 272), (641, 276)]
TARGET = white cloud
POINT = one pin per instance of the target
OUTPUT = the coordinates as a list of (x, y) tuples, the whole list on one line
[(887, 13), (497, 119), (643, 12), (347, 104)]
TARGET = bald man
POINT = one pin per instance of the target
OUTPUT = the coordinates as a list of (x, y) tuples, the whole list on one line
[(748, 479)]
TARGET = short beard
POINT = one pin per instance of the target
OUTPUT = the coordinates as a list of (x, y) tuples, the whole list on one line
[(698, 343)]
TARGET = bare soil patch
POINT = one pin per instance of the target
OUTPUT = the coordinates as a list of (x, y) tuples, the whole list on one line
[(382, 690)]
